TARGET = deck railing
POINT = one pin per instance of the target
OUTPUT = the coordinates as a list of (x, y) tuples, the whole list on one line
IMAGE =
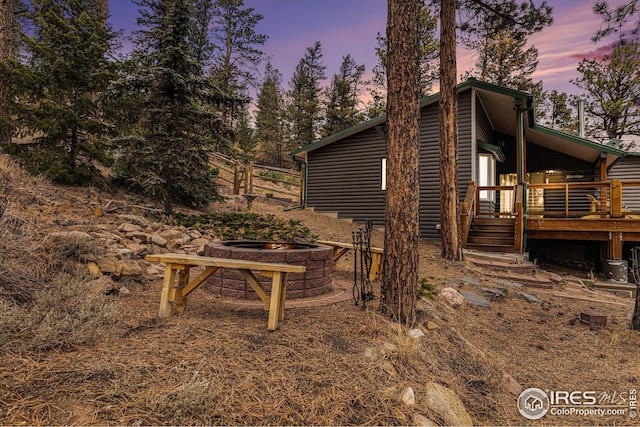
[(579, 199)]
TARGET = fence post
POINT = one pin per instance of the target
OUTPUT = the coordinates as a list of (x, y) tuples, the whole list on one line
[(248, 178), (236, 178)]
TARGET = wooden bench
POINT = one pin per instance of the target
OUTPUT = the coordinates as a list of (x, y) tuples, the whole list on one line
[(179, 265), (339, 249)]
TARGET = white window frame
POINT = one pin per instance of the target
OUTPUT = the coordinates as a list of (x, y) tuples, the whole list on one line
[(383, 183), (486, 175)]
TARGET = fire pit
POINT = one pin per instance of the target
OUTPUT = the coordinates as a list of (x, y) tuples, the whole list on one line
[(318, 259)]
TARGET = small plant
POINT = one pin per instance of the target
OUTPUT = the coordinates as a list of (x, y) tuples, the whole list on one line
[(247, 225), (427, 289)]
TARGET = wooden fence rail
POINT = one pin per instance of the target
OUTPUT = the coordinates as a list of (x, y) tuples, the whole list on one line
[(251, 177)]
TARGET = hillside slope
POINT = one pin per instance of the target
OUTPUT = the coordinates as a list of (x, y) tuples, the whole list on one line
[(81, 344)]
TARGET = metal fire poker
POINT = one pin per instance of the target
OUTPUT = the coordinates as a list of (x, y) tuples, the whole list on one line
[(362, 287)]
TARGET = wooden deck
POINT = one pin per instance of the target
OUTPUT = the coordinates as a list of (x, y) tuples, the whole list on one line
[(612, 223)]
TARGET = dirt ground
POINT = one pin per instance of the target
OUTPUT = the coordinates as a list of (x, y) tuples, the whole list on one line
[(333, 364)]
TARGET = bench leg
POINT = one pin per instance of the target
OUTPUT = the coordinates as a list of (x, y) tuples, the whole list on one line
[(183, 281), (276, 305), (376, 266), (165, 304)]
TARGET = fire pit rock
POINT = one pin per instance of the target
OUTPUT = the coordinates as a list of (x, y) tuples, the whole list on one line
[(317, 280)]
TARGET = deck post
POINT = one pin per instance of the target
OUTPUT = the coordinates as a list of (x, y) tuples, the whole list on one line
[(615, 245), (616, 198)]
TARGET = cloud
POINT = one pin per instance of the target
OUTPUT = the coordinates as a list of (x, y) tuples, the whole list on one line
[(596, 54)]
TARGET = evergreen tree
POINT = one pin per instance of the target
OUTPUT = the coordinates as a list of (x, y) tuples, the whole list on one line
[(428, 63), (246, 139), (399, 286), (555, 111), (343, 95), (305, 105), (201, 46), (167, 154), (237, 53), (481, 19), (56, 83), (612, 87), (504, 60), (270, 119)]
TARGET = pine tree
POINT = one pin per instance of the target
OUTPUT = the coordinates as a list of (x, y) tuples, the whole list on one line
[(480, 19), (56, 84), (237, 53), (428, 63), (6, 54), (612, 87), (402, 232), (343, 97), (167, 154), (270, 119), (505, 60), (305, 105)]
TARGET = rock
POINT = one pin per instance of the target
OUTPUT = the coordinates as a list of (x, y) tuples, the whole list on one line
[(470, 281), (124, 290), (121, 253), (102, 285), (420, 420), (117, 267), (416, 333), (94, 270), (156, 239), (512, 385), (137, 249), (432, 326), (493, 292), (389, 347), (135, 219), (79, 235), (154, 271), (129, 268), (127, 227), (173, 234), (528, 298), (475, 299), (446, 405), (408, 397), (452, 297)]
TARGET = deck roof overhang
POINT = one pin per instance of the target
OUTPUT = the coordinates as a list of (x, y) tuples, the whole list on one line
[(499, 105)]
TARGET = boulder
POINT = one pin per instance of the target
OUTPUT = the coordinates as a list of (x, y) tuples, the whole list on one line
[(135, 219), (420, 420), (446, 404), (127, 227), (452, 297)]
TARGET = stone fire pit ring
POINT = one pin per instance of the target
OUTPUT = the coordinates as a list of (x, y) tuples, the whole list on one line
[(318, 259)]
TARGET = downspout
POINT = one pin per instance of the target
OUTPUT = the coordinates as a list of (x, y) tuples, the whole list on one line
[(303, 164), (520, 110)]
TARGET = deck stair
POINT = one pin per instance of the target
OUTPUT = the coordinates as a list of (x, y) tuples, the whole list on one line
[(492, 234)]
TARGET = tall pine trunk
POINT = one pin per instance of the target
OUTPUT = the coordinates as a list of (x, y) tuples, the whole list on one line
[(402, 233), (6, 53), (448, 109)]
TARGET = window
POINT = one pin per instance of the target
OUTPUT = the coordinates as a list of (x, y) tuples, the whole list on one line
[(383, 184), (486, 175)]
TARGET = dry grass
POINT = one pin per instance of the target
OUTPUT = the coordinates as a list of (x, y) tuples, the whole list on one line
[(72, 356)]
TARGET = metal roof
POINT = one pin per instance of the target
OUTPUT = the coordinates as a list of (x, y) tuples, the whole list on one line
[(498, 103)]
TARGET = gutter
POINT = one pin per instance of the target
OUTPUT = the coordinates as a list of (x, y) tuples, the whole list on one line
[(303, 164)]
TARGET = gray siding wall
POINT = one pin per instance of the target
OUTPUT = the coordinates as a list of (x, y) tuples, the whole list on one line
[(430, 163), (628, 169), (345, 176)]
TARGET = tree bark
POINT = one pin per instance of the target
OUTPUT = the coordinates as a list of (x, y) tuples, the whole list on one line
[(6, 53), (402, 233), (448, 111)]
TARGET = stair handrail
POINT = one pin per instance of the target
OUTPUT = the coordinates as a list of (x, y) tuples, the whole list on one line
[(518, 242), (467, 211)]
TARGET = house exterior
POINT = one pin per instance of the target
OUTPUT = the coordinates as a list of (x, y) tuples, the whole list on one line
[(499, 146)]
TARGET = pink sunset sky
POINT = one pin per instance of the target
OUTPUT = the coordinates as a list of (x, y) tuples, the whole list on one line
[(350, 27)]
